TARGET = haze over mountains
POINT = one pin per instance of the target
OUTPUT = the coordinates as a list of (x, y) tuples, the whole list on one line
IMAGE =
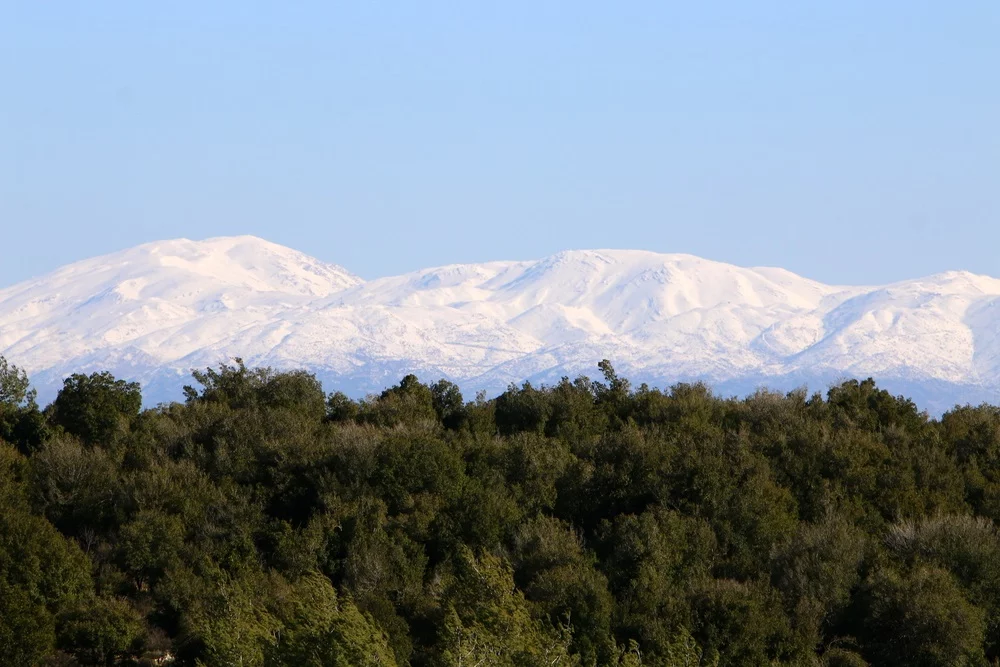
[(154, 312)]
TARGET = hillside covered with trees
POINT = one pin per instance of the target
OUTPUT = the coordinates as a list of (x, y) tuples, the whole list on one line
[(264, 522)]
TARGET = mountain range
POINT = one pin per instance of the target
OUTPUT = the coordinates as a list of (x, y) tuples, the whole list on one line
[(154, 312)]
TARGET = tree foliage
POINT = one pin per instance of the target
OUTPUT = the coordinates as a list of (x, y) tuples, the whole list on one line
[(97, 407), (263, 522)]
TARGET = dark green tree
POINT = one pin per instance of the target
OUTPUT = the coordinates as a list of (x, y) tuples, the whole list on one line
[(96, 408), (559, 578), (322, 629), (409, 402), (340, 408), (21, 422), (101, 631), (448, 404), (239, 387), (27, 629), (921, 618), (522, 409)]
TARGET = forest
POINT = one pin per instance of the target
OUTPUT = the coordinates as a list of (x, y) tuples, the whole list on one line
[(259, 521)]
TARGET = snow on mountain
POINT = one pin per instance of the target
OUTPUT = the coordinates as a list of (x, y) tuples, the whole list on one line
[(151, 305), (155, 311)]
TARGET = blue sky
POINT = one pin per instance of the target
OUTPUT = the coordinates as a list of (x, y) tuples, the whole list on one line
[(851, 142)]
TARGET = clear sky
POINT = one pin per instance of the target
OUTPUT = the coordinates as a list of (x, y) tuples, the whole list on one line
[(850, 141)]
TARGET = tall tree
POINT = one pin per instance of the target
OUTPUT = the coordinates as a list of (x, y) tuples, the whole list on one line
[(96, 408)]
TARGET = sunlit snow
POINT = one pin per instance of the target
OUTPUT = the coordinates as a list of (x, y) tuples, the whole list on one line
[(156, 311)]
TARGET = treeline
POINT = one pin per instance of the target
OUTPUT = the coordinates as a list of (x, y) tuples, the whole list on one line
[(263, 522)]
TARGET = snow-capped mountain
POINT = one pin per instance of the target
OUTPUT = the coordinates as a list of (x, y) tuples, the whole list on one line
[(154, 312)]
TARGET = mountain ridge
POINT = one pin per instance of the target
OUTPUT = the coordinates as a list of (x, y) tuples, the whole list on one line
[(155, 311)]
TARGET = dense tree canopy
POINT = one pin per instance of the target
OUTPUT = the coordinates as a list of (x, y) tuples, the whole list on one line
[(263, 522)]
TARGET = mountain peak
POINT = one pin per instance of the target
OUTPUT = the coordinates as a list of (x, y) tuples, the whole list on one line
[(234, 262)]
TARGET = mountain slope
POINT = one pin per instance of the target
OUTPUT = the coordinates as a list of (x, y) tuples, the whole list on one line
[(158, 310), (151, 305)]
